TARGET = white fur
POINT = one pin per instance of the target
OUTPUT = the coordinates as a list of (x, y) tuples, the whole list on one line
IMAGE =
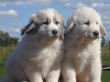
[(37, 57), (82, 61)]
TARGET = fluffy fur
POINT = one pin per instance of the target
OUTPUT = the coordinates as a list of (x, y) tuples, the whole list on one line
[(38, 56), (82, 61)]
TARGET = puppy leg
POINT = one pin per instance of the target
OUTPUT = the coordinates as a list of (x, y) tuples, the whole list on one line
[(95, 69), (33, 75), (69, 74), (53, 76), (83, 77)]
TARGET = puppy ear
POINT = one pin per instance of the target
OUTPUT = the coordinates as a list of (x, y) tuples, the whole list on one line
[(32, 27), (70, 24), (102, 30), (27, 28), (62, 31)]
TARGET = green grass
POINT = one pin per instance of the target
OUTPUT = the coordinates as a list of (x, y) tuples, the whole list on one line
[(6, 51), (106, 76), (2, 71), (105, 56), (105, 61)]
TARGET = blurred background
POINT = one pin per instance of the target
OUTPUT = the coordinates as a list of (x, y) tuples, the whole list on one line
[(15, 14)]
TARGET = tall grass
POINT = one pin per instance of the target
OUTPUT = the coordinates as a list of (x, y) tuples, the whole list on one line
[(105, 62), (5, 52), (105, 56)]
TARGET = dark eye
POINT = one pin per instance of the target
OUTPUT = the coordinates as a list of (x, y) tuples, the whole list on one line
[(87, 23), (96, 22), (46, 23), (57, 22)]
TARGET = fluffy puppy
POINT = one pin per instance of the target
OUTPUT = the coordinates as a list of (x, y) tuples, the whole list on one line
[(82, 61), (38, 56)]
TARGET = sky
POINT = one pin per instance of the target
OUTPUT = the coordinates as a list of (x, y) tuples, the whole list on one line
[(15, 14)]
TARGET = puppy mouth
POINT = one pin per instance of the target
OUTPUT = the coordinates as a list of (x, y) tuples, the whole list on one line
[(52, 38), (56, 36), (89, 38), (92, 37), (96, 37), (49, 40)]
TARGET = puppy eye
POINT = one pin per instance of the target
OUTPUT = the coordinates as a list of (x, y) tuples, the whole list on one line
[(96, 22), (57, 22), (46, 23), (87, 23)]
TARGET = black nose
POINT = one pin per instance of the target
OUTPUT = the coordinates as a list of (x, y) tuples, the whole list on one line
[(95, 33), (54, 32)]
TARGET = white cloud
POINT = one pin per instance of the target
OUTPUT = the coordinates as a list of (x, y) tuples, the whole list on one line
[(97, 4), (106, 17), (64, 0), (100, 5), (2, 4), (100, 0), (67, 4), (26, 2), (9, 13), (107, 22), (14, 32), (80, 4)]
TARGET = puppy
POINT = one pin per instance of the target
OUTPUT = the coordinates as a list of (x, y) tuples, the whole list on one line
[(82, 41), (38, 56)]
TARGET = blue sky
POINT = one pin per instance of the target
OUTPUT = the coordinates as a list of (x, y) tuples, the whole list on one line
[(15, 14)]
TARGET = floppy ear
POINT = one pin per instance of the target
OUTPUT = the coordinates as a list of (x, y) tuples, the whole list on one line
[(102, 30), (70, 25), (32, 27), (62, 31)]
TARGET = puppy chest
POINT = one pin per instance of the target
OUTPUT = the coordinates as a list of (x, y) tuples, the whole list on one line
[(80, 61), (48, 58)]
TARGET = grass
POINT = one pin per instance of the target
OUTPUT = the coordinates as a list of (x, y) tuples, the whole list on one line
[(105, 56), (106, 76), (2, 71), (105, 61), (6, 51)]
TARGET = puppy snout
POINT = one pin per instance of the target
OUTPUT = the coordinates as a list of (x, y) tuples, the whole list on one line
[(95, 33), (54, 32)]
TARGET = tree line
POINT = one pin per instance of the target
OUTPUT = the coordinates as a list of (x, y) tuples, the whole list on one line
[(7, 40)]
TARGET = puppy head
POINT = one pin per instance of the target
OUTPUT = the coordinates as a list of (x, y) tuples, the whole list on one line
[(48, 23), (86, 22)]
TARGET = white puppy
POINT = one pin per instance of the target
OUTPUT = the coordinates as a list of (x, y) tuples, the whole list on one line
[(39, 54), (82, 61)]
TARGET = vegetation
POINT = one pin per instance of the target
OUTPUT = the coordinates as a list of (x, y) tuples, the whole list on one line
[(105, 56), (7, 45), (106, 76), (6, 40), (5, 52)]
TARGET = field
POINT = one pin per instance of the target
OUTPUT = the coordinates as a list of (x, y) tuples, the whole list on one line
[(105, 62), (6, 51)]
